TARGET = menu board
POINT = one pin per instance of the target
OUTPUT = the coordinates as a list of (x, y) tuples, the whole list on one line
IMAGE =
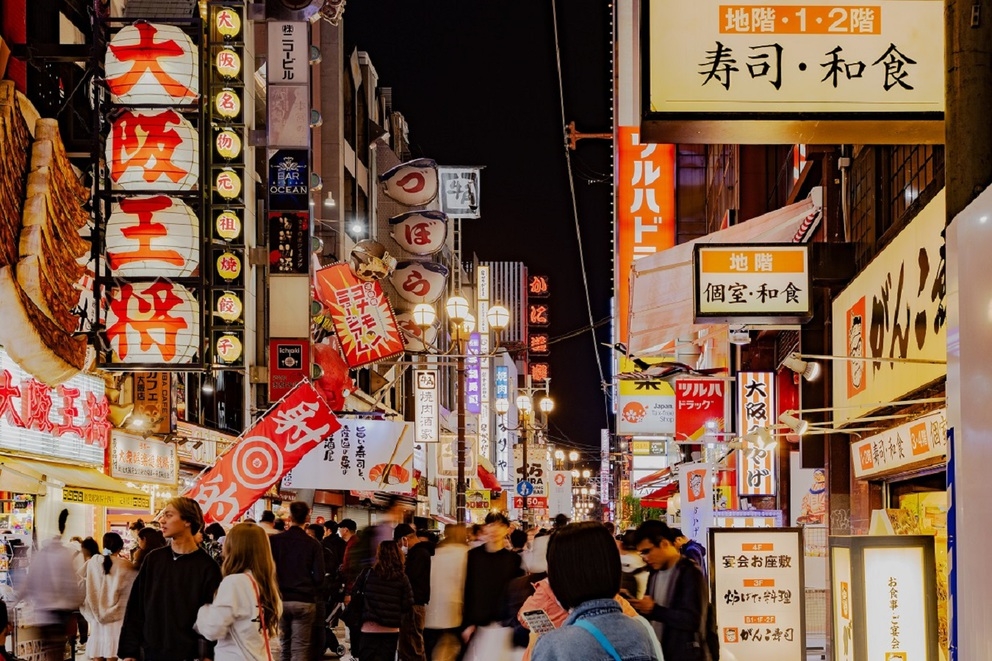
[(759, 592)]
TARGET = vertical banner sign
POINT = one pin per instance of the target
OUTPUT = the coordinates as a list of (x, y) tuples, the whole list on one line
[(604, 464), (264, 454), (483, 288), (502, 462), (696, 490), (756, 467), (700, 407), (645, 211), (459, 194), (560, 494), (153, 401), (760, 595), (538, 320), (471, 393), (427, 413)]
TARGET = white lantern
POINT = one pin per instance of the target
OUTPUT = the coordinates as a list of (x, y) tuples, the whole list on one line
[(420, 232), (413, 183), (153, 150), (416, 338), (153, 236), (153, 322), (152, 64), (420, 282)]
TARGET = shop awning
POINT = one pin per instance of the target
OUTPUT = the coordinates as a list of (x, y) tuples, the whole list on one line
[(660, 497), (661, 284), (487, 476), (79, 484)]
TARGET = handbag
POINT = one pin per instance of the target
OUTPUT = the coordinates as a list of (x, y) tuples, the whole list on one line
[(352, 614)]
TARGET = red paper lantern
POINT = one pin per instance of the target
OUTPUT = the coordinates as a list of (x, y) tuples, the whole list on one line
[(155, 322), (153, 236), (153, 150), (152, 64)]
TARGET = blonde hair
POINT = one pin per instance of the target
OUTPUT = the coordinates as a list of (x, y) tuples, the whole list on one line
[(246, 548)]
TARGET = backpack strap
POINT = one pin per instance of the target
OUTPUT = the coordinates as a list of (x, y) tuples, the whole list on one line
[(600, 638)]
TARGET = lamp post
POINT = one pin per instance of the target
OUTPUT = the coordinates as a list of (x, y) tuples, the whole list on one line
[(462, 324), (527, 424)]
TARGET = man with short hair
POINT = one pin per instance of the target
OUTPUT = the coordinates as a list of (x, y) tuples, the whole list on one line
[(677, 598), (418, 570), (268, 522), (691, 549), (488, 573), (299, 561), (172, 584)]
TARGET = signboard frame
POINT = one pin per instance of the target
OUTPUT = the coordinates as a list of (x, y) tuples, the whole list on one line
[(799, 599)]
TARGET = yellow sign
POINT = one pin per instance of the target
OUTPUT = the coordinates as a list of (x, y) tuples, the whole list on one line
[(229, 307), (227, 103), (478, 499), (228, 225), (105, 498), (227, 184), (229, 348), (228, 144), (228, 63), (228, 23), (228, 265)]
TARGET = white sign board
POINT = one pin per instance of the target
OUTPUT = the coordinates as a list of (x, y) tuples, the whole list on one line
[(142, 459), (760, 283), (560, 494), (817, 56), (364, 455), (289, 53), (840, 573), (537, 470), (923, 439), (427, 411), (760, 599), (459, 194), (895, 602)]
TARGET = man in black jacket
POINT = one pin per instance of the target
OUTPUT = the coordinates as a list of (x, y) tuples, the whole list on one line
[(677, 599), (418, 569), (299, 560)]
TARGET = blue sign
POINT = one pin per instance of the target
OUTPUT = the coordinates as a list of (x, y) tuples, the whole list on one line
[(525, 488), (289, 180), (502, 382)]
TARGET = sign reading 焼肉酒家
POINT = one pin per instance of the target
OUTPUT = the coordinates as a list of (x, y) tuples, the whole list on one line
[(759, 592), (756, 283)]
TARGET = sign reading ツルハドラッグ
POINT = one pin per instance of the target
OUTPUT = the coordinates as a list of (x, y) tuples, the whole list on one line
[(758, 592)]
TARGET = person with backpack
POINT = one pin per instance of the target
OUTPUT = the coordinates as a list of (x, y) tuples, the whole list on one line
[(386, 597)]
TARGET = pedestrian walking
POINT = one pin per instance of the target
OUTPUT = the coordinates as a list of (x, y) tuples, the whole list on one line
[(109, 578), (417, 568), (268, 522), (299, 561), (317, 637), (335, 544), (677, 598), (149, 539), (171, 585), (443, 615), (244, 616), (386, 596), (584, 574)]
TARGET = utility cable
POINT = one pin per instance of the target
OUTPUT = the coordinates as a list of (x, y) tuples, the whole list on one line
[(575, 214)]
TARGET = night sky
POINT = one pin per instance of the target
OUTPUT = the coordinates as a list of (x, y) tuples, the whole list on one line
[(477, 83)]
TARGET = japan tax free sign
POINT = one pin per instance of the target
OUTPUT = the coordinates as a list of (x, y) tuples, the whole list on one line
[(788, 58), (759, 593), (264, 454), (755, 283)]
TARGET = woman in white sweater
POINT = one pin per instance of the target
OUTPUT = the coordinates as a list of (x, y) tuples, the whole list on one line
[(108, 585), (244, 615)]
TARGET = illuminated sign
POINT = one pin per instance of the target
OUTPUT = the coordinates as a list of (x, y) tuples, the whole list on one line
[(155, 236), (756, 467), (228, 225)]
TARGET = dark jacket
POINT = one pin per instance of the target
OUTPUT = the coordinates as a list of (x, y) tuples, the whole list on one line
[(336, 545), (418, 570), (683, 637), (299, 562), (487, 577), (695, 551), (386, 600)]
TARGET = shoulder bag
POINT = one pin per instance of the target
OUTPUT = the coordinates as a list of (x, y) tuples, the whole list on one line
[(261, 618), (352, 614), (600, 638)]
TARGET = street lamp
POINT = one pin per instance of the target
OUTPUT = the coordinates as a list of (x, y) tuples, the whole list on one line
[(526, 422), (559, 458)]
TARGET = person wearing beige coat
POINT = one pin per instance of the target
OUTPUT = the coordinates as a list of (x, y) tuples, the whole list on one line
[(109, 578)]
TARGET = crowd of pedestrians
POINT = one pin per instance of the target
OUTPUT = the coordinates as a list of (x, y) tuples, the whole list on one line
[(490, 593)]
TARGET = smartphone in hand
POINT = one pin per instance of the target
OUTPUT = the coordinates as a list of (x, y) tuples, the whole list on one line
[(538, 621)]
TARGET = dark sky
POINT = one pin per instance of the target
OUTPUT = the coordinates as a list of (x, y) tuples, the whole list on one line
[(477, 83)]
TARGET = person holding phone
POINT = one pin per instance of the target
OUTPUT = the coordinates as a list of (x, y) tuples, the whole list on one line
[(584, 574)]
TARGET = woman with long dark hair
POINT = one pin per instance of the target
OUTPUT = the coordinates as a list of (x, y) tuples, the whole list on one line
[(387, 597), (149, 539), (108, 585), (245, 614)]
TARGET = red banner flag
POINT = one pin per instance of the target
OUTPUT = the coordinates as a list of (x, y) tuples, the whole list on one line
[(264, 454)]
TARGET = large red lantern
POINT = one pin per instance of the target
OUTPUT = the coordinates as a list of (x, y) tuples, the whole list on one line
[(420, 282), (152, 64), (420, 232), (156, 322), (153, 150), (153, 236)]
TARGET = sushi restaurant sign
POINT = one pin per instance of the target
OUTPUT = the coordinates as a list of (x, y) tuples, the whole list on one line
[(364, 455)]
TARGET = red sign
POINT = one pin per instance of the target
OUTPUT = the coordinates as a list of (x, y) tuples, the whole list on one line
[(264, 454), (289, 363), (533, 502), (361, 315), (153, 150), (60, 411), (154, 322), (700, 407), (537, 286)]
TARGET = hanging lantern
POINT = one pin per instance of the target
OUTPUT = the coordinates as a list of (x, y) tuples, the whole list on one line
[(413, 183), (420, 232), (420, 282), (415, 338), (156, 322), (228, 63), (228, 144), (227, 103), (227, 183), (152, 64), (153, 236), (229, 348), (228, 225), (153, 150), (228, 23), (228, 307), (228, 265)]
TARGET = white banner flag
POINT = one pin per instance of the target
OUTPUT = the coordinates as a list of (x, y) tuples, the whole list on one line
[(696, 491)]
